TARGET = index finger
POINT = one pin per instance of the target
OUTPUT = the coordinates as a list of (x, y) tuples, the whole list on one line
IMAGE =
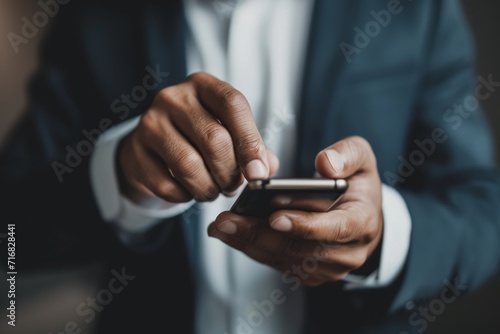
[(336, 227), (231, 108)]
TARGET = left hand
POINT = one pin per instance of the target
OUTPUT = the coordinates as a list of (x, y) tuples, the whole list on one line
[(318, 246)]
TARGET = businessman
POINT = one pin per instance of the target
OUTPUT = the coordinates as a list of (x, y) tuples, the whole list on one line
[(194, 98)]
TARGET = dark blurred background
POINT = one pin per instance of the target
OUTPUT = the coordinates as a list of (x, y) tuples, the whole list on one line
[(49, 299)]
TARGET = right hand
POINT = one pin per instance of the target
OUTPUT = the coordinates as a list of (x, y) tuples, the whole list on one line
[(198, 139)]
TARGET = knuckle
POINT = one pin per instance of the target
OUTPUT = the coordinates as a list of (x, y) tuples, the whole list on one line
[(148, 122), (209, 193), (249, 145), (218, 141), (341, 231), (168, 95), (290, 247), (189, 166), (233, 99), (228, 182), (174, 100), (196, 77), (187, 163), (205, 194), (165, 190), (201, 197)]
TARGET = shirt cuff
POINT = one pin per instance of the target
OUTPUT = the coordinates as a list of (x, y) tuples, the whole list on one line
[(395, 244), (129, 217)]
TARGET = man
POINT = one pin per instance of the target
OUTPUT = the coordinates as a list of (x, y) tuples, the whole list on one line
[(371, 91)]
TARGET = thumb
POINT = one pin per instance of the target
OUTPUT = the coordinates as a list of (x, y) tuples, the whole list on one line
[(345, 158)]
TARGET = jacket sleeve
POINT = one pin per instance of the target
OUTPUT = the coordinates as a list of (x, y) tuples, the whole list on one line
[(44, 167), (450, 182)]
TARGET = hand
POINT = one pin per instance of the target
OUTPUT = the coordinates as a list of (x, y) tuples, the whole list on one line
[(198, 139), (337, 241)]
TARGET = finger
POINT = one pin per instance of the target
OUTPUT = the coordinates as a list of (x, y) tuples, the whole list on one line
[(337, 227), (274, 163), (184, 162), (346, 158), (335, 258), (151, 177), (322, 265), (214, 143), (245, 231), (231, 108)]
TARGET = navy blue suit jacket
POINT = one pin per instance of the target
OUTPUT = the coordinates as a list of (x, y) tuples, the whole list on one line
[(398, 92)]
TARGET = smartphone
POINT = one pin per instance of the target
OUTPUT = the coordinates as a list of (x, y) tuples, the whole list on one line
[(261, 198)]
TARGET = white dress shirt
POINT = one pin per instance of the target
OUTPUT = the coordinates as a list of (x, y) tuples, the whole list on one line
[(258, 46)]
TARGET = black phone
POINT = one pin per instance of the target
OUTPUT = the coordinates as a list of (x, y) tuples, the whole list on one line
[(261, 198)]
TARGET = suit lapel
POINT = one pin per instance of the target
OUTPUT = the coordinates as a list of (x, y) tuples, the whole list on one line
[(164, 38), (324, 62)]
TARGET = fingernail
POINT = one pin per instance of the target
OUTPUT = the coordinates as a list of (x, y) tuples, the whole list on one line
[(227, 227), (335, 160), (256, 170), (282, 224)]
